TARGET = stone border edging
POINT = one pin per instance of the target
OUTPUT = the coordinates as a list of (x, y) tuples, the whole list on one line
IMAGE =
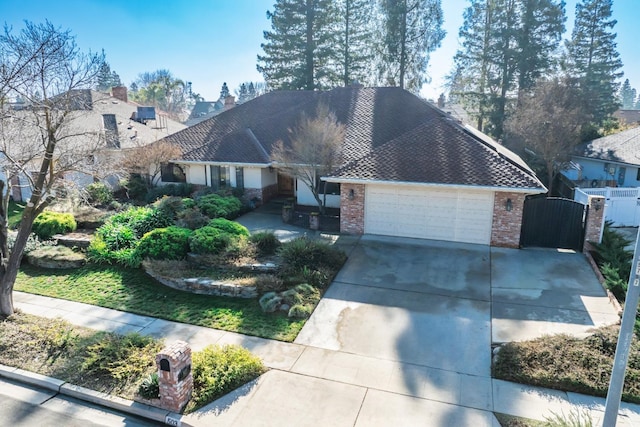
[(204, 286), (92, 396)]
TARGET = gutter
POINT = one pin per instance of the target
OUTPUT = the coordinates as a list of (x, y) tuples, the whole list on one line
[(527, 190)]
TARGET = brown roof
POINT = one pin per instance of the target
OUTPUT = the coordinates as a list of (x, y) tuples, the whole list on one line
[(390, 135)]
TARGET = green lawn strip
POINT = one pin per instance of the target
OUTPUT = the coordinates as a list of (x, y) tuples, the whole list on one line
[(133, 291)]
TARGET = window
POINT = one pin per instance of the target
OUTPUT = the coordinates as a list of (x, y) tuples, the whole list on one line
[(638, 175), (170, 172), (220, 177), (239, 178), (327, 187)]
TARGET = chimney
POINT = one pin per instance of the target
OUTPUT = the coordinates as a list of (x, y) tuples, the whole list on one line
[(120, 92), (441, 100), (229, 102)]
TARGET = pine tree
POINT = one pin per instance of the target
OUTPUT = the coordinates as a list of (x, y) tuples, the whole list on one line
[(115, 79), (299, 51), (103, 80), (411, 30), (243, 93), (506, 46), (593, 58), (224, 91), (356, 40), (627, 95), (251, 91)]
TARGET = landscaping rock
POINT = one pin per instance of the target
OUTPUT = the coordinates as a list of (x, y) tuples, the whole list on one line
[(55, 257)]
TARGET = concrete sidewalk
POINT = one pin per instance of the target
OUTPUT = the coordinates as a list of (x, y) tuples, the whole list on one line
[(354, 389)]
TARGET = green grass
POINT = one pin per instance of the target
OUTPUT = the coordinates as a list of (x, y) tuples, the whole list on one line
[(133, 291), (15, 213)]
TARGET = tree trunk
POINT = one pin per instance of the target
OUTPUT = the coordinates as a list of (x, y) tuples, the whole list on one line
[(10, 265), (310, 47)]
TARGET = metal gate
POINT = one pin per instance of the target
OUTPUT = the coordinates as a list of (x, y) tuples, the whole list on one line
[(553, 222)]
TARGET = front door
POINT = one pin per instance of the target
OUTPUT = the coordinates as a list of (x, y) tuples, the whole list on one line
[(285, 185)]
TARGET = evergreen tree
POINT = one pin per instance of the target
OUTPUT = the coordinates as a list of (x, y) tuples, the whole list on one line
[(251, 91), (103, 79), (593, 58), (506, 46), (411, 30), (224, 91), (627, 96), (243, 93), (356, 40), (299, 51), (115, 79)]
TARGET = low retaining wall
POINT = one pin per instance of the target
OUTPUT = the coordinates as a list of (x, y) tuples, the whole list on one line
[(205, 286)]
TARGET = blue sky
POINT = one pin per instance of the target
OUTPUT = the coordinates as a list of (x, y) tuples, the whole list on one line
[(209, 42)]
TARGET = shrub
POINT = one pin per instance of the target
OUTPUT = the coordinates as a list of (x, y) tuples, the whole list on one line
[(135, 187), (219, 370), (121, 357), (209, 240), (266, 242), (181, 190), (191, 218), (188, 203), (230, 227), (98, 194), (300, 311), (117, 236), (142, 219), (49, 223), (170, 206), (291, 297), (165, 243), (216, 206), (149, 387), (303, 252), (99, 253), (614, 261)]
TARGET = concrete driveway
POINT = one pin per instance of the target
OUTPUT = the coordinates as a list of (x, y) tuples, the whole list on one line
[(441, 304)]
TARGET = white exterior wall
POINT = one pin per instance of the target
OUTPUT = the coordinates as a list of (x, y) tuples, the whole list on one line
[(197, 174), (253, 178), (269, 177)]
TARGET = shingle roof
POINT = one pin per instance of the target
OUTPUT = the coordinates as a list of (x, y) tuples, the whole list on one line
[(623, 147), (390, 135)]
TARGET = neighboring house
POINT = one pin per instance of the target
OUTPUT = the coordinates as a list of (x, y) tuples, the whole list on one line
[(99, 130), (204, 110), (628, 117), (610, 161), (408, 169), (610, 167)]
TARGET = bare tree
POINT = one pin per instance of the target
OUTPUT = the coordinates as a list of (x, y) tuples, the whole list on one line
[(148, 160), (41, 136), (314, 150), (547, 124)]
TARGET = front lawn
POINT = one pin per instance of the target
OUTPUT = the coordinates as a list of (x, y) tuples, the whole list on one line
[(134, 291)]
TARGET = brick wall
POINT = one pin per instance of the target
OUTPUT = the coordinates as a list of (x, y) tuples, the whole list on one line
[(352, 208), (593, 232), (264, 194), (505, 230), (174, 376)]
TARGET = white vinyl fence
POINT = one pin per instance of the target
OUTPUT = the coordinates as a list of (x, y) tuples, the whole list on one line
[(622, 205)]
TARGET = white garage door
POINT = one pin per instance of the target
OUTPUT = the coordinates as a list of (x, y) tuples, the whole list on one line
[(453, 215)]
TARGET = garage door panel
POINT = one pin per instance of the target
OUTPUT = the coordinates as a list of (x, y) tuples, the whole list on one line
[(451, 215)]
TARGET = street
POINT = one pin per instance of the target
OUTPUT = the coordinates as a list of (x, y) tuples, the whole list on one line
[(27, 406)]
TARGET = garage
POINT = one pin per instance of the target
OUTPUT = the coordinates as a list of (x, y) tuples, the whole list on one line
[(439, 214)]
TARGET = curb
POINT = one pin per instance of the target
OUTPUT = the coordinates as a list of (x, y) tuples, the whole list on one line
[(92, 396)]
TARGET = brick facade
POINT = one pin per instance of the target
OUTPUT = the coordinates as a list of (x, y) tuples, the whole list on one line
[(506, 226), (264, 194), (593, 232), (174, 376), (352, 208)]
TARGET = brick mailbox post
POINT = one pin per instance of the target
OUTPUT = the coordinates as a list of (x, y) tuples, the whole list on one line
[(174, 376)]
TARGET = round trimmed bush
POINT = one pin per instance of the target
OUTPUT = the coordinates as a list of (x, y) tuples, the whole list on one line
[(230, 227), (142, 219), (266, 242), (165, 243), (117, 236), (98, 194), (217, 206), (49, 223), (209, 240)]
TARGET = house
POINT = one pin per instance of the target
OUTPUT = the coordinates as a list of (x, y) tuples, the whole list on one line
[(628, 117), (610, 161), (610, 167), (99, 130), (407, 169)]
